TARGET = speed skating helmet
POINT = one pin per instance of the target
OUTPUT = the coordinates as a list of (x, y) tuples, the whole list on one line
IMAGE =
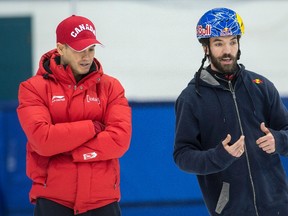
[(219, 22)]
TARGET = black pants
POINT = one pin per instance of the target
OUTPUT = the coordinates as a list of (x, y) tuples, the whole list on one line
[(45, 207)]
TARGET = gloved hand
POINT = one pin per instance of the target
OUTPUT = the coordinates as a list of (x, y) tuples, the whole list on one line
[(98, 126)]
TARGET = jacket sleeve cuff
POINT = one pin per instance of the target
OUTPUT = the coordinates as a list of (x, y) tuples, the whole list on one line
[(222, 158)]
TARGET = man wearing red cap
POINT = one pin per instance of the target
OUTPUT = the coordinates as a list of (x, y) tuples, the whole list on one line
[(78, 124)]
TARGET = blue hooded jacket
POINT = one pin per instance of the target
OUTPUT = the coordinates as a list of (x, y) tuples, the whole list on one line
[(255, 183)]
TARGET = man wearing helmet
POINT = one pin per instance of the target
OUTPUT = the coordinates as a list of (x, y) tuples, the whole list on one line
[(232, 127)]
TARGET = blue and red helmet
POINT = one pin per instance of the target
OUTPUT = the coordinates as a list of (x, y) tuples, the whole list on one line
[(219, 22)]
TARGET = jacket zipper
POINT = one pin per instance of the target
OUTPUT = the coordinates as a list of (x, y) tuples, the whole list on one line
[(246, 154)]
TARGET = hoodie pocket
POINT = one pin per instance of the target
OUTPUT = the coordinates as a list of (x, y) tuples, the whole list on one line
[(223, 198)]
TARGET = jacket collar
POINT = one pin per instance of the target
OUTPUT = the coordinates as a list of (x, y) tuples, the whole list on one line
[(50, 68), (213, 78)]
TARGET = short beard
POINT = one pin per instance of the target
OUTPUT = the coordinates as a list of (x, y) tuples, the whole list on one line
[(229, 69)]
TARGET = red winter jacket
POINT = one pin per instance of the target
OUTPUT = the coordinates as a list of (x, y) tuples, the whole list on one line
[(67, 162)]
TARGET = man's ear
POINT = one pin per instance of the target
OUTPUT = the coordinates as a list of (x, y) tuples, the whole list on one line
[(60, 48)]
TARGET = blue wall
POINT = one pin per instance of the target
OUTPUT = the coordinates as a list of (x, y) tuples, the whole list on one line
[(151, 184), (14, 185)]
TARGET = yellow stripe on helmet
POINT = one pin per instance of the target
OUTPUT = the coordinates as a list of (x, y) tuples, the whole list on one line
[(240, 22)]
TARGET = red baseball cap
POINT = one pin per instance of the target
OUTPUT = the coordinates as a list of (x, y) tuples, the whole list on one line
[(77, 32)]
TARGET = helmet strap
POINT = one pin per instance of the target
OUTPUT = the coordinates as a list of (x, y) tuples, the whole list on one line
[(239, 51), (198, 73)]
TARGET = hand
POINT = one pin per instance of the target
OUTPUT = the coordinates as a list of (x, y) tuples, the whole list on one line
[(236, 149), (267, 142)]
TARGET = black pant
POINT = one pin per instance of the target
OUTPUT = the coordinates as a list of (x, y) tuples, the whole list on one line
[(45, 207)]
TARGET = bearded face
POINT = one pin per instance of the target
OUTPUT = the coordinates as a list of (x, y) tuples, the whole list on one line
[(225, 63), (223, 53)]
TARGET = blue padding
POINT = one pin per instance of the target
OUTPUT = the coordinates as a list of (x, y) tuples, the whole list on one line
[(13, 183), (150, 181), (147, 170)]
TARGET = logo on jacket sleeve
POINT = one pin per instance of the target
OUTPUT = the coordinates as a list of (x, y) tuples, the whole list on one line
[(257, 81), (89, 155), (58, 98)]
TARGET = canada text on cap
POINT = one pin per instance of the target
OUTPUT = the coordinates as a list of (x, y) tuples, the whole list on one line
[(77, 32)]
